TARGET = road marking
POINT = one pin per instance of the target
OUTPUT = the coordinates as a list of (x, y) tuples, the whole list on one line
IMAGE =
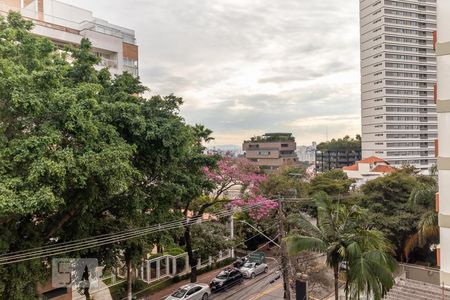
[(265, 292)]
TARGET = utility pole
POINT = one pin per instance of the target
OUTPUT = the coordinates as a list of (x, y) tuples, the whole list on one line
[(232, 233), (284, 257)]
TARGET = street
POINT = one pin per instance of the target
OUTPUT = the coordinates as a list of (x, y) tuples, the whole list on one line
[(263, 287)]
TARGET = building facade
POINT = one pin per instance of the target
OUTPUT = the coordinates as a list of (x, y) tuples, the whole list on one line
[(65, 24), (336, 159), (307, 153), (443, 108), (272, 150), (367, 169), (398, 74)]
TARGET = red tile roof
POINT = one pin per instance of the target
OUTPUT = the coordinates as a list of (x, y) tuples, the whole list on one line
[(351, 168), (384, 169), (371, 160)]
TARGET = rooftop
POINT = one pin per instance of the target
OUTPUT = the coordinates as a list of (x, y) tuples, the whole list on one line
[(272, 137), (372, 159)]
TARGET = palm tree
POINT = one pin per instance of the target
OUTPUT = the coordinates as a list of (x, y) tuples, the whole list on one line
[(427, 228), (370, 265), (202, 134), (341, 237)]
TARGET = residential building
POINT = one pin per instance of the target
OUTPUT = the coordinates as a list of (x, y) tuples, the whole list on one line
[(65, 24), (368, 169), (225, 150), (398, 74), (272, 150), (443, 109), (307, 153), (336, 159)]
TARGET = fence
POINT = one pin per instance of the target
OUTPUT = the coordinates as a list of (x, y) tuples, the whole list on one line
[(169, 266)]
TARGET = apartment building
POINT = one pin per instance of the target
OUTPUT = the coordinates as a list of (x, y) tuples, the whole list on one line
[(398, 75), (329, 159), (65, 24), (272, 150), (443, 109)]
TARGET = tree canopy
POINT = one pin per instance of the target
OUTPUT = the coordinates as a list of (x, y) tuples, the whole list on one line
[(388, 201), (82, 153), (345, 143)]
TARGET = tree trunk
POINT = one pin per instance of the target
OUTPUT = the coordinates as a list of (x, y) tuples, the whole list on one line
[(129, 280), (346, 285), (336, 282), (192, 262)]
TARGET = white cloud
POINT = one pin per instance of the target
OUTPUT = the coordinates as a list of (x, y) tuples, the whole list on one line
[(245, 67)]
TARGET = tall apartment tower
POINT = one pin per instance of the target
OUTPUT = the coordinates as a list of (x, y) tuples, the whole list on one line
[(443, 108), (66, 24), (398, 75)]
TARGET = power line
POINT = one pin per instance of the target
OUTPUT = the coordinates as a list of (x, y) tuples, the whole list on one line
[(100, 240)]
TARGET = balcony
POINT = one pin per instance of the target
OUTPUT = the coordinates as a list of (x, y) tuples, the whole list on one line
[(108, 63)]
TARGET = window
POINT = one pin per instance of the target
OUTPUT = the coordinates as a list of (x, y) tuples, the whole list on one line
[(284, 145), (193, 291), (264, 153)]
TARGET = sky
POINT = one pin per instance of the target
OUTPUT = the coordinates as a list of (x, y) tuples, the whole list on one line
[(246, 67)]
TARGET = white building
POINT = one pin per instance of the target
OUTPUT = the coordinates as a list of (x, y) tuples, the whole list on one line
[(66, 24), (368, 169), (307, 153), (443, 108), (398, 74)]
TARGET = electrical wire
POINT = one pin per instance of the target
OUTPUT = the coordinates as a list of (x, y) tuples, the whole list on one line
[(100, 240)]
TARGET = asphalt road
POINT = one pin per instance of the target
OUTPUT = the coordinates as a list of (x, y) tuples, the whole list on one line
[(263, 287)]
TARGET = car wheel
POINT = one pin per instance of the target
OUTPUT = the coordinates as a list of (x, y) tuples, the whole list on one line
[(266, 269), (205, 297), (253, 275)]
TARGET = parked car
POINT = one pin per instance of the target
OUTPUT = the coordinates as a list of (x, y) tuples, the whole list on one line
[(192, 291), (240, 262), (225, 279), (251, 269)]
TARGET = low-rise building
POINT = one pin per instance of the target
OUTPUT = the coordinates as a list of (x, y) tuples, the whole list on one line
[(336, 154), (307, 153), (272, 150), (368, 169), (66, 24), (335, 159)]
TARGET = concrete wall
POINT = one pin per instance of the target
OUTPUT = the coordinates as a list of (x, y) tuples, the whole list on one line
[(420, 273), (443, 104)]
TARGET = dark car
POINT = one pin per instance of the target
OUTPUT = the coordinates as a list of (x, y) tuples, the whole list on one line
[(225, 279), (240, 262)]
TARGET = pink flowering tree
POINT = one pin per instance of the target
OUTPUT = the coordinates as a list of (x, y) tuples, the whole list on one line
[(242, 173), (228, 173)]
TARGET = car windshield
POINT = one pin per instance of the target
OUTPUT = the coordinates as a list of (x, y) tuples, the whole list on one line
[(179, 293), (249, 265), (222, 275)]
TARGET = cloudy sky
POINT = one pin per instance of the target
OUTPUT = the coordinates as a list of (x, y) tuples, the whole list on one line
[(245, 67)]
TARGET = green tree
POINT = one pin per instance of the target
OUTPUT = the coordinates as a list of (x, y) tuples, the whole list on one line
[(202, 133), (345, 143), (82, 154), (423, 199), (334, 182), (388, 202), (209, 239), (340, 235)]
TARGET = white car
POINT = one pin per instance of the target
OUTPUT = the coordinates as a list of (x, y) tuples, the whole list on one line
[(251, 269), (192, 291)]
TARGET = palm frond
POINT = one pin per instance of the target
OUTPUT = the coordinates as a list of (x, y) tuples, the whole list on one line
[(305, 225), (299, 243)]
